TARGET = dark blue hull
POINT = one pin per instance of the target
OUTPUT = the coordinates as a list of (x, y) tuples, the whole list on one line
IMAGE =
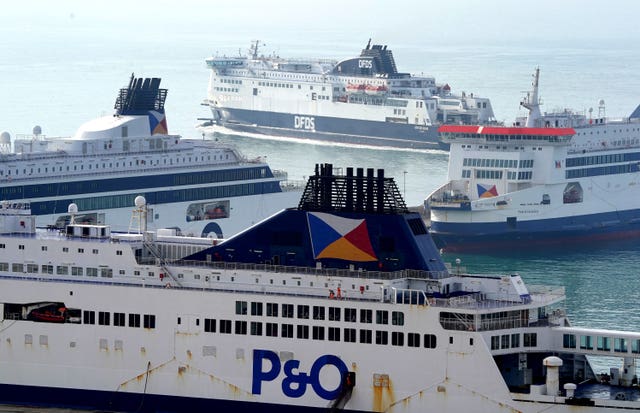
[(536, 233), (114, 401), (332, 129)]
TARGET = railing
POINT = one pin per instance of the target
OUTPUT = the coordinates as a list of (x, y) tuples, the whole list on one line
[(331, 272)]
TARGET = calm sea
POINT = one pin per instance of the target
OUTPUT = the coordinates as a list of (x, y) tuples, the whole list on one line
[(60, 78)]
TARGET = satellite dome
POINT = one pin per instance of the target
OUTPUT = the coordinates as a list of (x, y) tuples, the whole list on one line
[(37, 130), (73, 209), (140, 201), (5, 137)]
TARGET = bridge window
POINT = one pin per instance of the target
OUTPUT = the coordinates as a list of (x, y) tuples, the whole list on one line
[(429, 341), (604, 344), (569, 341), (586, 342), (620, 345)]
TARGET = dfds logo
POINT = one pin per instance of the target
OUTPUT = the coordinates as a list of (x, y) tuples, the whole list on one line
[(294, 383), (365, 64), (304, 122)]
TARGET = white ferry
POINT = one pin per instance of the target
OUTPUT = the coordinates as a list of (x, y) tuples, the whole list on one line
[(341, 304), (552, 178), (362, 100), (197, 186)]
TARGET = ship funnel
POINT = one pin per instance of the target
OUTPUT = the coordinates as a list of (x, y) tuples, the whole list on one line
[(553, 365)]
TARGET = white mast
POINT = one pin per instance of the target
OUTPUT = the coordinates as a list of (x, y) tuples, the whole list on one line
[(532, 102)]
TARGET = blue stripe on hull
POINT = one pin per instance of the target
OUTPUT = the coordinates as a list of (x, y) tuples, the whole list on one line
[(114, 401), (584, 228), (332, 129)]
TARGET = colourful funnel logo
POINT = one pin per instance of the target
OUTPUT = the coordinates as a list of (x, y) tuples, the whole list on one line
[(340, 238), (157, 123), (487, 191)]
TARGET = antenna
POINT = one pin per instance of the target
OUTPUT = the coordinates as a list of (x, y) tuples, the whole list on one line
[(139, 215)]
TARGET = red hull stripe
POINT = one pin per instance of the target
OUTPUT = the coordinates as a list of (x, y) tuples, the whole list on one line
[(497, 130)]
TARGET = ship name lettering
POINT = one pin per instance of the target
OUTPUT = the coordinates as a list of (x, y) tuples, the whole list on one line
[(294, 384), (365, 64), (304, 122)]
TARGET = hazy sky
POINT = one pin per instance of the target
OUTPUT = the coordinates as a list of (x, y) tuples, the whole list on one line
[(445, 21)]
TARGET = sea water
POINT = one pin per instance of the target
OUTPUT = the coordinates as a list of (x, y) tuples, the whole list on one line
[(61, 71)]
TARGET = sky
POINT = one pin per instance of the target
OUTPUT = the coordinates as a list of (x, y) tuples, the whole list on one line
[(445, 21)]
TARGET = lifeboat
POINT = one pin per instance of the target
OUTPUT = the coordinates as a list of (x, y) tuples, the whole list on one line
[(356, 88), (48, 315), (375, 90)]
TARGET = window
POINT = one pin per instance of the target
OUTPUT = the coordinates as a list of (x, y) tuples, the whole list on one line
[(287, 310), (366, 316), (88, 317), (302, 331), (256, 328), (318, 312), (318, 332), (569, 341), (272, 329), (47, 269), (530, 339), (134, 320), (429, 341), (397, 318), (19, 267), (334, 334), (303, 311), (366, 336), (382, 337), (76, 270), (515, 340), (92, 272), (272, 309), (334, 314), (241, 327), (149, 321), (118, 319), (504, 341), (241, 307), (350, 315), (225, 326), (382, 317), (209, 325), (256, 308), (397, 338), (32, 268), (286, 331), (350, 335), (413, 339)]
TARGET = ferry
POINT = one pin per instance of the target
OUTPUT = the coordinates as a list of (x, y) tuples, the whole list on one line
[(363, 100), (198, 186), (550, 178), (342, 303)]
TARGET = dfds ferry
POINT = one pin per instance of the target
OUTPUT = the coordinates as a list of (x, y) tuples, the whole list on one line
[(549, 179), (362, 100), (340, 304), (197, 186)]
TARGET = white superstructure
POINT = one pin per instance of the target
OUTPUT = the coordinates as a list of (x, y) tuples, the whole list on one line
[(157, 322), (195, 185), (546, 179), (362, 100)]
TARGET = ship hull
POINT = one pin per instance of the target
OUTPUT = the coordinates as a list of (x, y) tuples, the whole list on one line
[(482, 236), (331, 129), (176, 366)]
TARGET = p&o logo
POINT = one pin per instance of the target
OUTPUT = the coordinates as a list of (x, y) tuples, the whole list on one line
[(304, 122), (294, 383)]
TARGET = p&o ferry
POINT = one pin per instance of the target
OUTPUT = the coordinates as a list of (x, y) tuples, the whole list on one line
[(550, 178), (363, 100), (340, 304), (197, 186)]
